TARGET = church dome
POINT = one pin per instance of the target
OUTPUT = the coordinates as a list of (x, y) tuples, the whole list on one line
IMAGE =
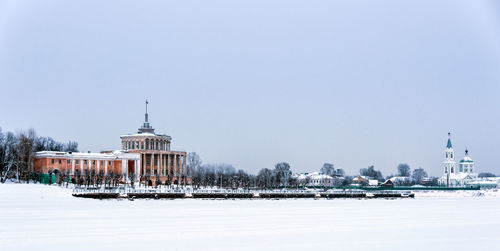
[(466, 159)]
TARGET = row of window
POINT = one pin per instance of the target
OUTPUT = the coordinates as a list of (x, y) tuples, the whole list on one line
[(147, 145), (78, 162), (461, 169), (148, 161)]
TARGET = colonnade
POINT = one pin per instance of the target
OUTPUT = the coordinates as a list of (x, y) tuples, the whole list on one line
[(163, 164)]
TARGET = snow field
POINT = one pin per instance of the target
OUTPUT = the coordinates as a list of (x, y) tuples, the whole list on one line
[(49, 218)]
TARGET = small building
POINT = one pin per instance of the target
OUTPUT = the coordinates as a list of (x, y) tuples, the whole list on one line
[(387, 183), (361, 180), (317, 179), (401, 180)]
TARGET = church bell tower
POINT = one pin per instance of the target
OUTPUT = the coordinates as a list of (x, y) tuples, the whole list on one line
[(449, 162)]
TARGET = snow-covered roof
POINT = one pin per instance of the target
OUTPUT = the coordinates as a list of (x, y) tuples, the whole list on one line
[(312, 176), (400, 179), (459, 176), (466, 159), (86, 155), (144, 134)]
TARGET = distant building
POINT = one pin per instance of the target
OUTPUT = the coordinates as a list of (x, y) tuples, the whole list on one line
[(363, 180), (401, 180), (317, 179), (145, 156), (387, 183), (453, 176)]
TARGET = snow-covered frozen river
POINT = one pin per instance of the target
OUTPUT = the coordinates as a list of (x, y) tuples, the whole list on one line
[(39, 217)]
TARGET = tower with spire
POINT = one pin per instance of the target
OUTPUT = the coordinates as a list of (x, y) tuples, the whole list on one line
[(146, 127), (158, 162), (449, 163)]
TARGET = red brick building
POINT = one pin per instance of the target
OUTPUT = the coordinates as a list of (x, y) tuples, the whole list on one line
[(145, 154)]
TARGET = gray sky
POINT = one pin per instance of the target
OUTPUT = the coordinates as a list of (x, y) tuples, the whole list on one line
[(252, 83)]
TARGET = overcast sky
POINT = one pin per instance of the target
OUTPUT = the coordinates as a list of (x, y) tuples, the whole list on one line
[(253, 83)]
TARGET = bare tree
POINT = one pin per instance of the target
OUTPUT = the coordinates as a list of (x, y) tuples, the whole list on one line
[(419, 174), (404, 170), (193, 163), (328, 169)]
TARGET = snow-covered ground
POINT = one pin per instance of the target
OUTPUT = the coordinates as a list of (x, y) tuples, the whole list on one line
[(40, 217)]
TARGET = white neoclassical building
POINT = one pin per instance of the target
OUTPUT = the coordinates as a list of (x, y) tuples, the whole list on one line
[(454, 176)]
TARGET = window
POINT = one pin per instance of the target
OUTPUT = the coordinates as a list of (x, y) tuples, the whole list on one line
[(102, 163), (77, 161), (60, 161), (68, 161), (109, 163), (156, 146), (52, 161), (93, 162), (142, 146), (85, 162)]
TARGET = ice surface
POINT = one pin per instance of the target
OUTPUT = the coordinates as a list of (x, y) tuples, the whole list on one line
[(40, 217)]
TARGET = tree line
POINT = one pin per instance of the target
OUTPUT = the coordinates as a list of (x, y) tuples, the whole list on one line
[(226, 176), (17, 153)]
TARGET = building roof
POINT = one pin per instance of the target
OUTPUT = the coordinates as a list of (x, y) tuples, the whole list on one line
[(83, 155), (466, 159), (449, 144)]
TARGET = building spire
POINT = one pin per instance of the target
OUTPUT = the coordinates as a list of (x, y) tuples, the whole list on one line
[(449, 141), (146, 127), (466, 152), (146, 115)]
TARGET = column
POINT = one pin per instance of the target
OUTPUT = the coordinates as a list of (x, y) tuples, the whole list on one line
[(98, 166), (143, 164), (81, 166), (72, 167), (176, 166), (168, 164), (125, 170), (152, 164), (137, 170), (162, 169), (106, 167)]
